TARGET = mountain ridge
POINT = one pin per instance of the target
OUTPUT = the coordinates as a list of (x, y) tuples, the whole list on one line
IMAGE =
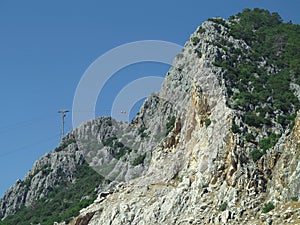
[(210, 150)]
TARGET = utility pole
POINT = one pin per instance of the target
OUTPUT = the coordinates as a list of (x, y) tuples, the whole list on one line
[(63, 115)]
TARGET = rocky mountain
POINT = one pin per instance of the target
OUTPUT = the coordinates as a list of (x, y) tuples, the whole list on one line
[(219, 144)]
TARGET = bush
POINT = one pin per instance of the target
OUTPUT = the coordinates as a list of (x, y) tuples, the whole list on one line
[(120, 153), (119, 148), (201, 30), (62, 203), (294, 198), (141, 131), (223, 206), (218, 21), (109, 141), (65, 144), (195, 40), (269, 142), (253, 120), (198, 52), (264, 95), (249, 137), (235, 128), (207, 122), (170, 124), (256, 155), (139, 160), (268, 207), (109, 123), (250, 20)]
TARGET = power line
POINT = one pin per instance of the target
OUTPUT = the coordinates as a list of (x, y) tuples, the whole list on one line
[(28, 146), (23, 123)]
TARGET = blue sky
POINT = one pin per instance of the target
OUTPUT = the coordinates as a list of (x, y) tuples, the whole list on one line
[(45, 47)]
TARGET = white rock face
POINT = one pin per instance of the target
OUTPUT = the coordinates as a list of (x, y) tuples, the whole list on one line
[(195, 169), (182, 167), (200, 173)]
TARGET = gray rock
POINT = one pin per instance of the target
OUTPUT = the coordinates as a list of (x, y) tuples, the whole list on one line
[(193, 173)]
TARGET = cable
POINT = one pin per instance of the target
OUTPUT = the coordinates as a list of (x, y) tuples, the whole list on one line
[(24, 123), (29, 145)]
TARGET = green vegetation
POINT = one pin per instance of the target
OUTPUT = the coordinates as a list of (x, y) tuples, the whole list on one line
[(141, 131), (235, 128), (198, 52), (119, 149), (253, 120), (180, 68), (256, 154), (195, 40), (109, 121), (268, 207), (223, 206), (249, 137), (177, 178), (251, 21), (121, 152), (264, 145), (139, 160), (109, 141), (65, 144), (207, 122), (200, 30), (218, 21), (269, 142), (61, 203), (266, 89), (170, 124), (258, 78), (294, 198)]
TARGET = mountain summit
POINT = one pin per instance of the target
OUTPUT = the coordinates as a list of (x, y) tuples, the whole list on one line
[(219, 144)]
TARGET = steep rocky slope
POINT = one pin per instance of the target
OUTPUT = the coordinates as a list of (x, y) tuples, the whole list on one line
[(213, 167), (106, 145), (49, 171), (216, 145)]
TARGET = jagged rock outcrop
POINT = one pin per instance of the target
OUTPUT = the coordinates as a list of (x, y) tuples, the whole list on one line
[(202, 172), (108, 147), (188, 157), (47, 172)]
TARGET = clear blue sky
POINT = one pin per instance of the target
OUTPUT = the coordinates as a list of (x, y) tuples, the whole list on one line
[(45, 47)]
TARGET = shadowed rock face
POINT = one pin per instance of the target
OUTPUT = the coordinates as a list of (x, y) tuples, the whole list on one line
[(194, 169)]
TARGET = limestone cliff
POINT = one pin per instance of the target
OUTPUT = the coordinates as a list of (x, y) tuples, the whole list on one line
[(197, 152), (204, 171)]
